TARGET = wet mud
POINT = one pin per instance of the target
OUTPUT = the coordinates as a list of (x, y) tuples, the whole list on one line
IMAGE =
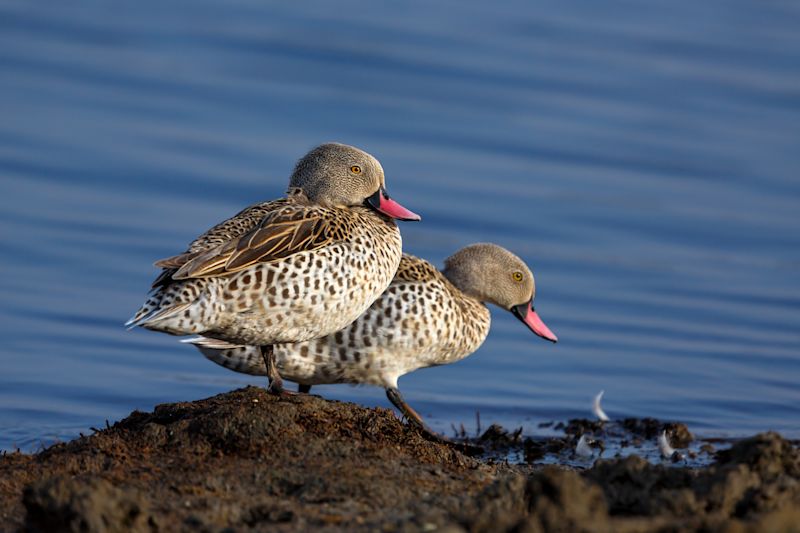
[(248, 461)]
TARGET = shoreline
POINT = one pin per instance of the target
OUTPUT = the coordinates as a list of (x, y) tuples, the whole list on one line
[(247, 460)]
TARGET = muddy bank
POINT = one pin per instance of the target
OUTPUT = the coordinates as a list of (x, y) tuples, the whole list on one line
[(246, 460)]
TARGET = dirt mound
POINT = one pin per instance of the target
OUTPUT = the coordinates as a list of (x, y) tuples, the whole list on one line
[(757, 478), (249, 461), (243, 459), (61, 503)]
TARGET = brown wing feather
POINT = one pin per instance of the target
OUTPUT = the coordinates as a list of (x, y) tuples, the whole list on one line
[(283, 233), (225, 231), (176, 261), (229, 229)]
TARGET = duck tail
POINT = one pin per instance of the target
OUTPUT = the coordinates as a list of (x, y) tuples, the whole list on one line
[(150, 306), (147, 315)]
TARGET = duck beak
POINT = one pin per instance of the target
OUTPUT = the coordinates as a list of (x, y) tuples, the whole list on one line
[(381, 202), (526, 313)]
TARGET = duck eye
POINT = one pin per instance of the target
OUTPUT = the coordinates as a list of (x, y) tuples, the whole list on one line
[(355, 169), (517, 276)]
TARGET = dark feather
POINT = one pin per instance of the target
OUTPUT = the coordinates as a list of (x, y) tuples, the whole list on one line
[(282, 233)]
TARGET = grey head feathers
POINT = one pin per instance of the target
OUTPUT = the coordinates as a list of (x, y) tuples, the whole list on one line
[(491, 274), (338, 175)]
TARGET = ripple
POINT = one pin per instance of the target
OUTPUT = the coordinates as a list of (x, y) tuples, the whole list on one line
[(641, 158)]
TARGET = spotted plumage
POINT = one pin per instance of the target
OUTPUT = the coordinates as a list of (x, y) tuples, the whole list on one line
[(424, 318), (420, 320), (288, 270)]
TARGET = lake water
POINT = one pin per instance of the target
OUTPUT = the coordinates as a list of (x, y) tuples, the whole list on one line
[(644, 159)]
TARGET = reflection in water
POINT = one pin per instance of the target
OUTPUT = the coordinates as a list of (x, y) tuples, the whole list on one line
[(642, 158)]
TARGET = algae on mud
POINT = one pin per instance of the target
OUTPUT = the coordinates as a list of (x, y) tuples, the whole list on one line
[(247, 460)]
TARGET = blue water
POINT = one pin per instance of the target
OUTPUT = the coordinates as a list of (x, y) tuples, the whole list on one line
[(642, 157)]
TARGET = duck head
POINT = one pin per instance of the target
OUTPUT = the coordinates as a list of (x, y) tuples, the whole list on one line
[(494, 275), (339, 175)]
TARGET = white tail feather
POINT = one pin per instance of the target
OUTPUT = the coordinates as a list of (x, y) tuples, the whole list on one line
[(214, 344), (156, 314)]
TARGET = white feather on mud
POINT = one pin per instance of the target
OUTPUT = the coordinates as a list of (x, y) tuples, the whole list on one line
[(667, 451), (583, 449), (597, 410)]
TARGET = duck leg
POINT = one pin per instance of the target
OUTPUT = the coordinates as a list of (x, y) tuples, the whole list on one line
[(411, 415), (275, 381), (274, 377), (393, 393)]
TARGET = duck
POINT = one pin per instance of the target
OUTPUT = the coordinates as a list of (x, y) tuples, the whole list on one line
[(288, 270), (426, 317)]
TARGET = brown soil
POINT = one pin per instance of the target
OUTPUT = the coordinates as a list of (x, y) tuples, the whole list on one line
[(249, 461)]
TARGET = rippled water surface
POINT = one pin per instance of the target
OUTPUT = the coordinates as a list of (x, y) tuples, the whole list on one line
[(643, 159)]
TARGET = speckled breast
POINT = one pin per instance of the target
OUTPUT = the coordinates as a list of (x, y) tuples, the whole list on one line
[(310, 294), (414, 324)]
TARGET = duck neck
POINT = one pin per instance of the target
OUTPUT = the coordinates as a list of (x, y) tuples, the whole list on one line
[(472, 316), (462, 281)]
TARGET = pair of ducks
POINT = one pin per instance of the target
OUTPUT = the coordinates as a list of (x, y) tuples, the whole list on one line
[(314, 287)]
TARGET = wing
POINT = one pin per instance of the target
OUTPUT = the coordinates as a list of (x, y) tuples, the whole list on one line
[(225, 231), (282, 233), (237, 225)]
